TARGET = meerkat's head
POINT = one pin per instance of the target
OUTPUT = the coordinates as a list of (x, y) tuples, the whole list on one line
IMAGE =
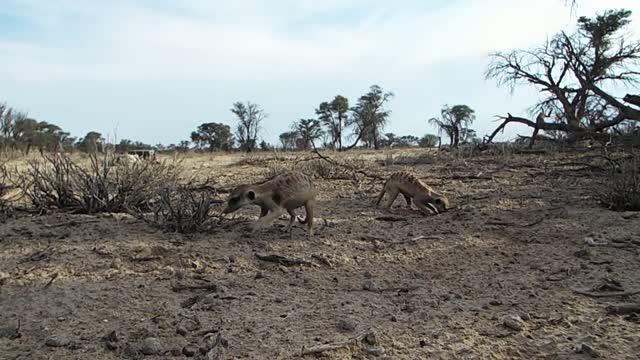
[(437, 204), (239, 197)]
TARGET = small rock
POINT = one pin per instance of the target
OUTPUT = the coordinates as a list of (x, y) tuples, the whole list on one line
[(423, 343), (525, 316), (376, 351), (151, 346), (585, 346), (513, 322), (57, 341), (259, 275), (116, 264), (582, 254), (180, 330), (111, 345), (393, 318), (112, 336), (369, 285), (189, 351), (345, 325), (232, 258), (495, 302), (370, 339), (10, 332)]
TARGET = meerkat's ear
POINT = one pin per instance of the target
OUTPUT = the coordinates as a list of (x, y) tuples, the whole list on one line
[(251, 195)]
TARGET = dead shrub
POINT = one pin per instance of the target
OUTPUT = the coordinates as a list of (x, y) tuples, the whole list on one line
[(620, 191), (57, 182), (180, 208), (6, 208)]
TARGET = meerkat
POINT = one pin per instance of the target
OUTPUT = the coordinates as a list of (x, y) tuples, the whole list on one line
[(285, 192), (407, 184)]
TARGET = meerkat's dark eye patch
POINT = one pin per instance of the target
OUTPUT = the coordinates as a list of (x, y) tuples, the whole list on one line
[(251, 195)]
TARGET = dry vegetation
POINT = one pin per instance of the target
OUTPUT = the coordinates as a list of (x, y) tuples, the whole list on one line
[(118, 262)]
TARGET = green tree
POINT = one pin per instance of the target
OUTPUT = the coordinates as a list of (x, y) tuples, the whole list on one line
[(250, 117), (452, 120), (289, 140), (216, 135), (369, 117), (333, 115), (90, 143), (309, 131), (428, 140)]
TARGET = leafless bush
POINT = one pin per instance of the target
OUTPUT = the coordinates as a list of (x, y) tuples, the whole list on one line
[(621, 189), (57, 182), (6, 209), (180, 208)]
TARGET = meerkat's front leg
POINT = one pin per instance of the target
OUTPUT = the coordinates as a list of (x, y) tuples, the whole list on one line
[(268, 219), (293, 218)]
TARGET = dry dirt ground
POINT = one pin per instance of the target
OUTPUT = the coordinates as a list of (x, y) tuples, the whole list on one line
[(492, 278)]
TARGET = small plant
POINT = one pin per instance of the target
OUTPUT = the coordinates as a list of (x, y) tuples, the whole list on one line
[(180, 208), (6, 209), (621, 189)]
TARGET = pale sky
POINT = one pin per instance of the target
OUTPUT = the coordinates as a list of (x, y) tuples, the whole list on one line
[(152, 70)]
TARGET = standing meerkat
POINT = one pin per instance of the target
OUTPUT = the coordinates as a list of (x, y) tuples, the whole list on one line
[(407, 184), (285, 192)]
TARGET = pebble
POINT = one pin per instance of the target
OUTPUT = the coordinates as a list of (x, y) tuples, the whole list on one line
[(57, 341), (151, 346), (189, 351), (513, 322)]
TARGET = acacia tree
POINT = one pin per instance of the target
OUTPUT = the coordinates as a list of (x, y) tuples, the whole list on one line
[(216, 135), (369, 116), (308, 131), (289, 139), (249, 116), (333, 115), (571, 70), (454, 121)]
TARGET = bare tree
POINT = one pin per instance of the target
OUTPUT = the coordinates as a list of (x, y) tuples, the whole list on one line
[(250, 116), (571, 70)]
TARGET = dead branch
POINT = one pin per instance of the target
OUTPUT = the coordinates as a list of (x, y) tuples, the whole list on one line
[(53, 277), (622, 309), (507, 223), (345, 166), (70, 223), (336, 345), (609, 294), (390, 218), (177, 287), (281, 260)]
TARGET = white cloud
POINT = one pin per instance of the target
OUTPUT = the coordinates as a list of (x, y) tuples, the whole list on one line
[(288, 54)]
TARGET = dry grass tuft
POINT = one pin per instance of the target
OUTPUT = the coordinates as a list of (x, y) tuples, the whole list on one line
[(621, 189)]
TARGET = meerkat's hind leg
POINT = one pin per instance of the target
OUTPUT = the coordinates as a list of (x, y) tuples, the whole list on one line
[(407, 198), (308, 206), (393, 194)]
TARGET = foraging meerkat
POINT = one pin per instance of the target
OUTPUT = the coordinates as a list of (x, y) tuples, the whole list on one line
[(285, 192), (407, 184)]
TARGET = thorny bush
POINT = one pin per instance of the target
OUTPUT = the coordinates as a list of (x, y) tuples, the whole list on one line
[(621, 189), (6, 209), (182, 208), (57, 182)]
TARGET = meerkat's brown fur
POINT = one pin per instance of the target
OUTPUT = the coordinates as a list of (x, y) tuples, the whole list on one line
[(408, 184), (285, 192)]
